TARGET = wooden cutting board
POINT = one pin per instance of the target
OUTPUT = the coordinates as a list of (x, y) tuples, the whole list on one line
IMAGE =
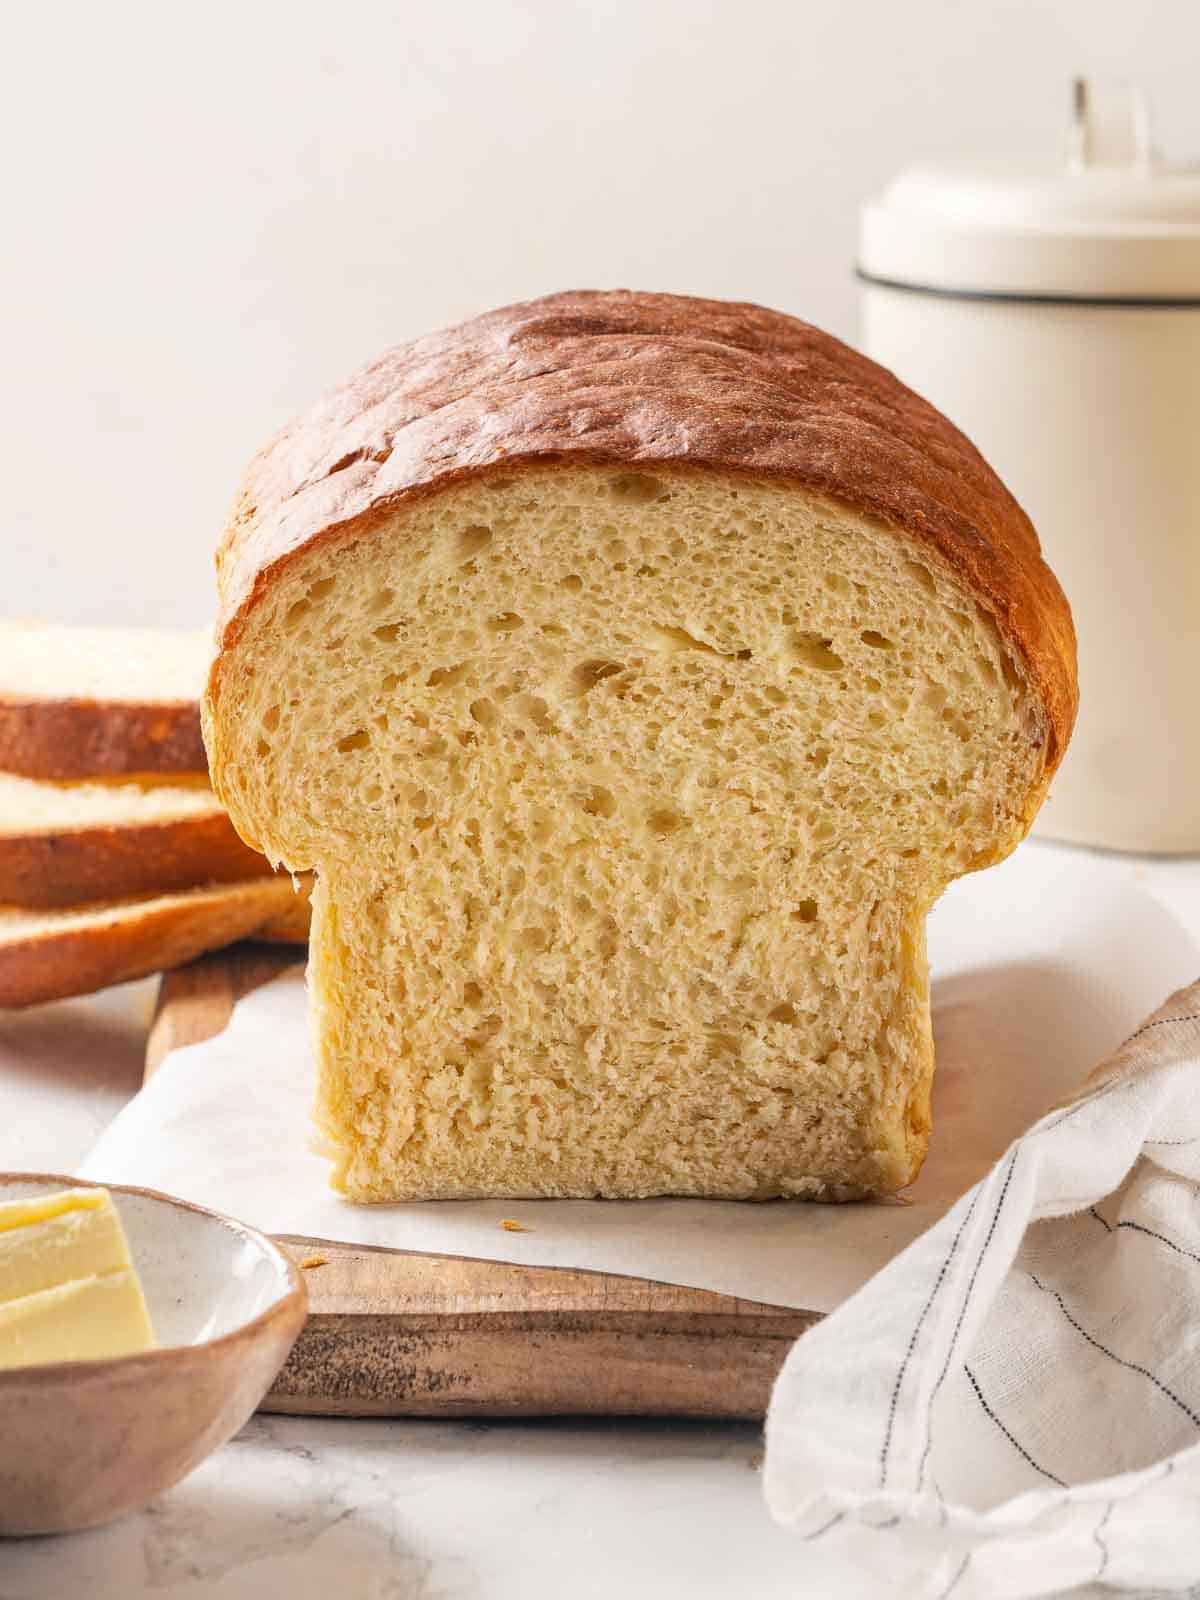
[(404, 1333)]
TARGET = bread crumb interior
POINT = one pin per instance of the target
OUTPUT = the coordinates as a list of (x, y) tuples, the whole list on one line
[(628, 794)]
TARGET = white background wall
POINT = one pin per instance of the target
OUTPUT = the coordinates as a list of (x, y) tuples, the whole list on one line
[(212, 210)]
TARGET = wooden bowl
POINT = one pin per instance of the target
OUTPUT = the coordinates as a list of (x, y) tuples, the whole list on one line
[(82, 1442)]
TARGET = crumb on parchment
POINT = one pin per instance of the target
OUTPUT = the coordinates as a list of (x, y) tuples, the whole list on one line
[(315, 1261), (511, 1225)]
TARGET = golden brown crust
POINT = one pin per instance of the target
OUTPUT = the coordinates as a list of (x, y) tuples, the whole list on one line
[(63, 740), (53, 961), (112, 861), (628, 378)]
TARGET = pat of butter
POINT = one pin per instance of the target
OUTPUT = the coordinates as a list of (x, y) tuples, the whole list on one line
[(68, 1289)]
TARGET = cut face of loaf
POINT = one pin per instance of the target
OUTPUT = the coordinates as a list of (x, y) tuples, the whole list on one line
[(628, 792)]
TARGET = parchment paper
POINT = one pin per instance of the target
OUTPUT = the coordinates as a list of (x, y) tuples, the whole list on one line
[(1040, 966)]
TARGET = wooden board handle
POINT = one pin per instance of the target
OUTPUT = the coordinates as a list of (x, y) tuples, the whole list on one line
[(401, 1333)]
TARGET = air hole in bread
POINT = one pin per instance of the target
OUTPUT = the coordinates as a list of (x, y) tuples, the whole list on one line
[(270, 719), (295, 615), (877, 641), (573, 582), (263, 748), (806, 911), (359, 740), (472, 993), (669, 637), (535, 710), (922, 574), (447, 677), (666, 822), (600, 802), (506, 622), (637, 489), (471, 541), (809, 650), (318, 590), (588, 674), (388, 633), (484, 712), (721, 1045), (482, 1036), (785, 1012)]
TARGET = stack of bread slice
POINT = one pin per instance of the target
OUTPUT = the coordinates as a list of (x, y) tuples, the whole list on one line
[(116, 858)]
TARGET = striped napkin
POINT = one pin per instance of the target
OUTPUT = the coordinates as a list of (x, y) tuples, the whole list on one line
[(1011, 1407)]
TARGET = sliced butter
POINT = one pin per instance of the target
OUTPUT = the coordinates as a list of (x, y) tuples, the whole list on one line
[(68, 1289), (50, 1240)]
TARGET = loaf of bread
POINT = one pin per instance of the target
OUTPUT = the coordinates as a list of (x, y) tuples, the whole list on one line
[(100, 702), (634, 672)]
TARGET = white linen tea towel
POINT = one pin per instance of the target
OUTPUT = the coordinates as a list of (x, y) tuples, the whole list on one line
[(1011, 1407)]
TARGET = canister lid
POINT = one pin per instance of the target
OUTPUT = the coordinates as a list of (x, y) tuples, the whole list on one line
[(1108, 221)]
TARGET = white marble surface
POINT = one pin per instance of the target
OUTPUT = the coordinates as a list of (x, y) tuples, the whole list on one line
[(391, 1510)]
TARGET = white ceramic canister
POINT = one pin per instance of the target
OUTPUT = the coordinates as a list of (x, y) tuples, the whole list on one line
[(1053, 313)]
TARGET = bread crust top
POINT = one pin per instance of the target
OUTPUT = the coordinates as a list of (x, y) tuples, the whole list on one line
[(633, 379)]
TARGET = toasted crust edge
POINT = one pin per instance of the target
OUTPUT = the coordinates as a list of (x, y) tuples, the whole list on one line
[(143, 937), (64, 740), (70, 867)]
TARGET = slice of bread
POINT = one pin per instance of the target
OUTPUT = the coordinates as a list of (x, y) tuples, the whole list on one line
[(54, 954), (635, 672), (68, 844), (100, 702)]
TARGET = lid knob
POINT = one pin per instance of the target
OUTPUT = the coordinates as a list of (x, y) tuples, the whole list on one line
[(1109, 126)]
